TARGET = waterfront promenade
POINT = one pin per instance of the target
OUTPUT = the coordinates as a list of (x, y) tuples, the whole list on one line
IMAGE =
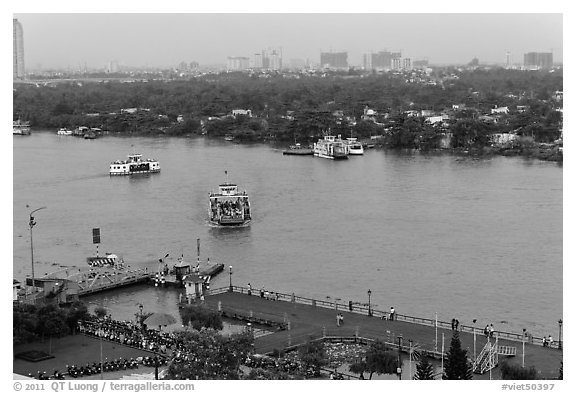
[(314, 321)]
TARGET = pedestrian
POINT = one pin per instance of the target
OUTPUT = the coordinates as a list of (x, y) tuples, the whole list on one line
[(392, 311), (544, 342), (456, 323), (342, 319), (491, 330), (249, 289), (262, 292), (338, 320), (453, 323), (550, 340), (487, 331)]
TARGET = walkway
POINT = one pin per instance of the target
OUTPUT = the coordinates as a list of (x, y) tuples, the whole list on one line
[(307, 320)]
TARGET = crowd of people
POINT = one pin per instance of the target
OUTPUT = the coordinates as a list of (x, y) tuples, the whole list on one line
[(227, 208), (128, 333)]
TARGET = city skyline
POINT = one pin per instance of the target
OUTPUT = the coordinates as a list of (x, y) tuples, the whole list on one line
[(164, 40)]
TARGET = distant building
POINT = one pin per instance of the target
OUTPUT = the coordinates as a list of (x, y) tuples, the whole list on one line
[(237, 63), (381, 60), (396, 64), (257, 62), (18, 51), (407, 63), (334, 60), (537, 60)]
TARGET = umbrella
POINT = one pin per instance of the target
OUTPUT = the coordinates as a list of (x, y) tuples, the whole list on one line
[(160, 319)]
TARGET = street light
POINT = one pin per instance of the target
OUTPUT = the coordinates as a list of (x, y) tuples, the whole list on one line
[(369, 309), (230, 267), (399, 369), (474, 330), (523, 342), (31, 223), (559, 334)]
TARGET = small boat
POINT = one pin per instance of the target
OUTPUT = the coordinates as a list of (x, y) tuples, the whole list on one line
[(64, 131), (229, 207), (133, 166), (354, 147), (90, 135), (331, 147), (229, 137), (298, 150), (20, 128)]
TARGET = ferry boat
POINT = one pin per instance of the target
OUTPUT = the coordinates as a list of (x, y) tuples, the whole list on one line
[(64, 131), (134, 165), (354, 147), (298, 150), (229, 207), (331, 147), (20, 128)]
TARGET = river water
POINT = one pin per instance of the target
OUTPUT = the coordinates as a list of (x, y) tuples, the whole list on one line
[(464, 237)]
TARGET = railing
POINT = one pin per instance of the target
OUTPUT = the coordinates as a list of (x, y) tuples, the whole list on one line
[(363, 310)]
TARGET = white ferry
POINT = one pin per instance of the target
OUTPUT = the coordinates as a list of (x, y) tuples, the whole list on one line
[(134, 165), (228, 207), (64, 131), (20, 128), (331, 147), (354, 147)]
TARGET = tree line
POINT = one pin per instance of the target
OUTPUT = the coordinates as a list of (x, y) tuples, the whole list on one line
[(310, 102)]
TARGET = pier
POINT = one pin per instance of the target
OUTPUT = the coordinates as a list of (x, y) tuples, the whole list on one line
[(298, 319)]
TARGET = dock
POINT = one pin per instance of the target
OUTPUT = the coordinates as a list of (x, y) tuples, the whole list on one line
[(305, 319)]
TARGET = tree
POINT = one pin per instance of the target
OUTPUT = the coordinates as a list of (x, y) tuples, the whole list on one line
[(313, 355), (457, 365), (424, 369), (515, 371), (199, 316), (52, 321), (358, 367), (380, 359), (206, 354)]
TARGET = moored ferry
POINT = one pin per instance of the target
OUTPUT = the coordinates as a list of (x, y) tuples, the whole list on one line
[(228, 206), (20, 128), (331, 147), (134, 165), (354, 147)]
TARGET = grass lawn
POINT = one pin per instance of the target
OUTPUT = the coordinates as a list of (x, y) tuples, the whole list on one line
[(77, 349)]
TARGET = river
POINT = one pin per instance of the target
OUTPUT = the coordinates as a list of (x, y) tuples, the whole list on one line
[(470, 238)]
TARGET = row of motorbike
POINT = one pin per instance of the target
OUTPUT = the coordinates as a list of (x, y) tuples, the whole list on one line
[(96, 368)]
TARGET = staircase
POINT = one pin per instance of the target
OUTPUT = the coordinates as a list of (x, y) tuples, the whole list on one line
[(488, 358)]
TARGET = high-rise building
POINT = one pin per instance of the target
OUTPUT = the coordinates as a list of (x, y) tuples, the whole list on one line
[(381, 60), (334, 59), (537, 60), (275, 60), (257, 60), (407, 63), (18, 50), (238, 63)]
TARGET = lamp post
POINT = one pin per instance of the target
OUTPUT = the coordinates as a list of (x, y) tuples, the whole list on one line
[(399, 369), (230, 268), (523, 342), (31, 223), (410, 358), (474, 330), (559, 334), (369, 308)]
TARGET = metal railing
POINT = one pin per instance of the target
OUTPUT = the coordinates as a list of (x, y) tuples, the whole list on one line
[(364, 310)]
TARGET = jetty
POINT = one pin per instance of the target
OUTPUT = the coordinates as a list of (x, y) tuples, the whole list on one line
[(294, 320)]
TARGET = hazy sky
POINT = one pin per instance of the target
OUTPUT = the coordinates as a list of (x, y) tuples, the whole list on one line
[(165, 39)]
